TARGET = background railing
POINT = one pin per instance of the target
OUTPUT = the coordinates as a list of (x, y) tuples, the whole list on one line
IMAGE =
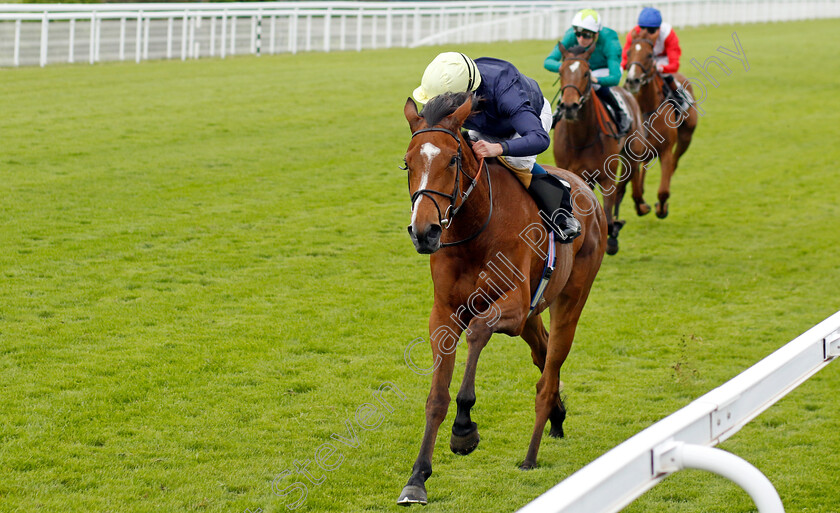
[(41, 34)]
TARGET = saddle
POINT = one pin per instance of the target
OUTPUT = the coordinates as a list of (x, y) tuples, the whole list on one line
[(617, 110)]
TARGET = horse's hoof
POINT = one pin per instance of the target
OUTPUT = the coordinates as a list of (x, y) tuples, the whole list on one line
[(527, 465), (661, 211), (412, 494), (556, 432), (465, 444), (612, 246), (642, 209)]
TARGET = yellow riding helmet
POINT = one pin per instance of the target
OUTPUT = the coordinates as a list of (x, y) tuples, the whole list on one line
[(449, 72)]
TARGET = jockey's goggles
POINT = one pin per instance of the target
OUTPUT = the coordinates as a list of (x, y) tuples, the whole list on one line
[(650, 30), (586, 34)]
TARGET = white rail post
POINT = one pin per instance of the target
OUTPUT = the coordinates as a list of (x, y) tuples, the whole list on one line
[(389, 30), (170, 23), (327, 27), (45, 38), (359, 18), (146, 39), (92, 45), (98, 36), (273, 36), (122, 38), (223, 35), (71, 41), (308, 45), (16, 57), (374, 20), (253, 38), (417, 26), (213, 36), (233, 20), (293, 20), (184, 29), (138, 39), (342, 36), (259, 32), (192, 45)]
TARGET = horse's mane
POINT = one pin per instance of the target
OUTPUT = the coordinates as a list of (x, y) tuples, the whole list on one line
[(443, 105)]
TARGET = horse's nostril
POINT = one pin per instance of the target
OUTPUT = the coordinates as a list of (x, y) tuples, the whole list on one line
[(434, 231)]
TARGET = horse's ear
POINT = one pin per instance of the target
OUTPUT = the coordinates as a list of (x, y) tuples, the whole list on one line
[(563, 51), (588, 52), (462, 113), (411, 114)]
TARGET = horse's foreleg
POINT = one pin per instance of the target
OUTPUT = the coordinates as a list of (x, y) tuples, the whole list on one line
[(537, 338), (666, 160), (443, 354), (464, 431)]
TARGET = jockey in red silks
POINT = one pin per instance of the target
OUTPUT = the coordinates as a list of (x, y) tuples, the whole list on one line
[(666, 47)]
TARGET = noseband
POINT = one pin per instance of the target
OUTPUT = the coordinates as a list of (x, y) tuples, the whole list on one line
[(584, 95), (446, 218)]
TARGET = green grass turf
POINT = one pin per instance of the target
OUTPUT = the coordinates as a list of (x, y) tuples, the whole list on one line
[(205, 272)]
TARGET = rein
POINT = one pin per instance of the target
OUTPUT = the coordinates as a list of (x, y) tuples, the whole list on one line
[(447, 217)]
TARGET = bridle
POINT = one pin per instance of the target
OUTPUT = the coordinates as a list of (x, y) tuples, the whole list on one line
[(584, 95), (647, 71), (445, 218)]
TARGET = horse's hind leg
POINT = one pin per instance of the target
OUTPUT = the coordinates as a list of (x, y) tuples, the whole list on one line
[(608, 191), (565, 313), (563, 323), (666, 161), (684, 134), (537, 338)]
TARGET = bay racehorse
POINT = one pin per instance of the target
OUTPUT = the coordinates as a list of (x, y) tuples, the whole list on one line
[(665, 124), (488, 253), (586, 141)]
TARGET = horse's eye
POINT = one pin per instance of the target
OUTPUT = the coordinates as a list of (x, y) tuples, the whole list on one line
[(453, 161), (404, 167)]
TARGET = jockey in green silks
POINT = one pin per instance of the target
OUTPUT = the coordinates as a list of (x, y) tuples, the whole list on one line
[(604, 63)]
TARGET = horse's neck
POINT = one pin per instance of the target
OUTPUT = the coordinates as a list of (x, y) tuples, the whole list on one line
[(507, 192), (650, 95)]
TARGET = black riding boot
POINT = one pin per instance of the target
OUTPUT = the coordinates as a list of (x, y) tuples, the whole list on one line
[(621, 120), (672, 92), (554, 199)]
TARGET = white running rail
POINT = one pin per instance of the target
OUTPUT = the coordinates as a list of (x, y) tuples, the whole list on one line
[(40, 34), (684, 439)]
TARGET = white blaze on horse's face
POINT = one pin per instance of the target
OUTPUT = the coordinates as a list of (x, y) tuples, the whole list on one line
[(574, 67), (429, 152), (633, 72)]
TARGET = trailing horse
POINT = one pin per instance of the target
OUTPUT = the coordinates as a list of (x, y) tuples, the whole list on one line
[(586, 141), (666, 122), (488, 251)]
